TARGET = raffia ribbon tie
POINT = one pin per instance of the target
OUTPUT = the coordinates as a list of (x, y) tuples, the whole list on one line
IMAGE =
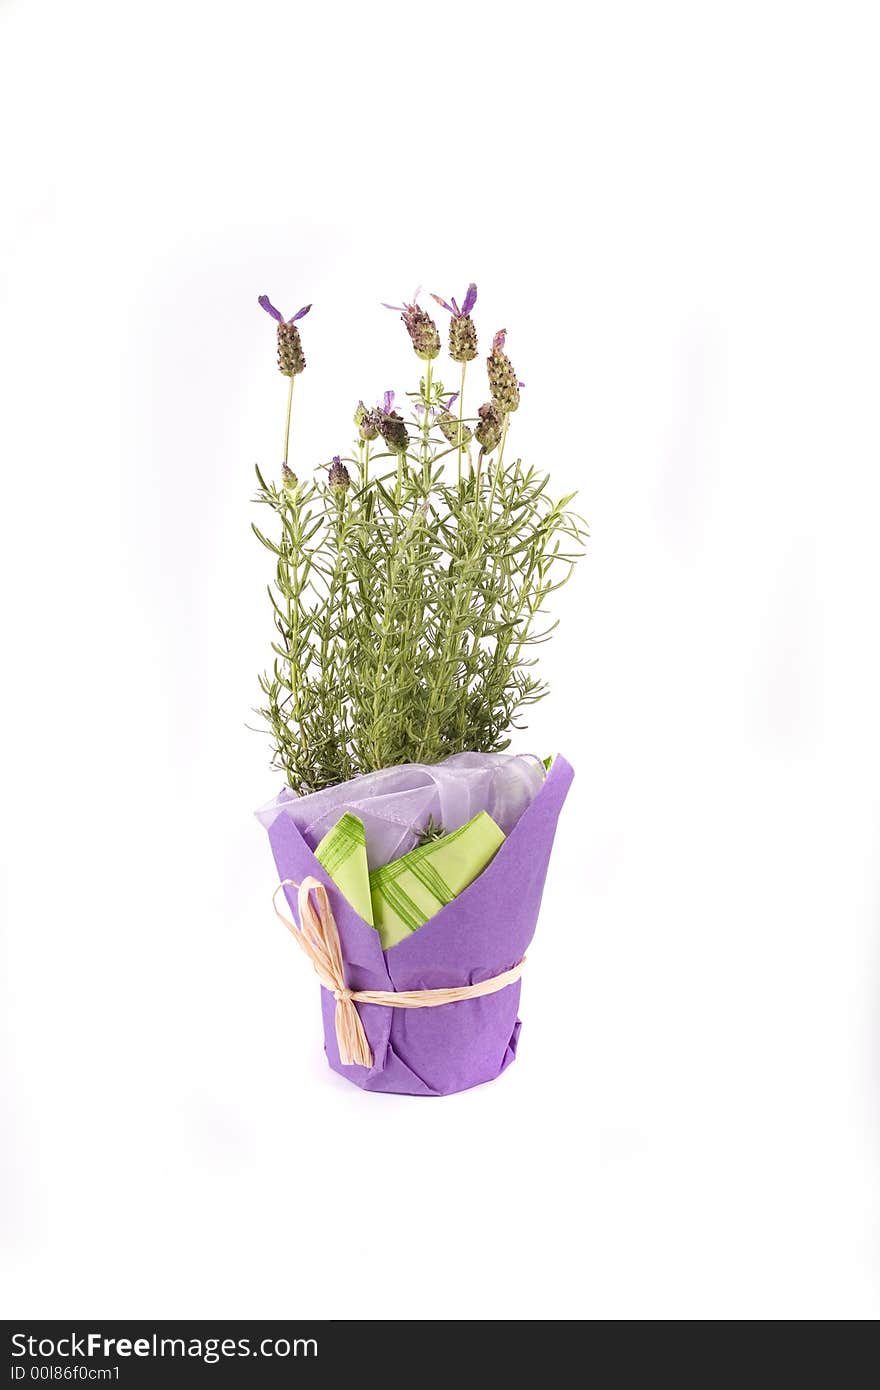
[(318, 936)]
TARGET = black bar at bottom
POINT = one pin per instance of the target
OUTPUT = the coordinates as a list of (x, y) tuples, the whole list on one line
[(91, 1351)]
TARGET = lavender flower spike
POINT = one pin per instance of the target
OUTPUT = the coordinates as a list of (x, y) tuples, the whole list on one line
[(338, 476), (462, 330), (291, 358), (453, 430), (392, 426), (421, 328), (367, 421), (503, 381), (488, 431)]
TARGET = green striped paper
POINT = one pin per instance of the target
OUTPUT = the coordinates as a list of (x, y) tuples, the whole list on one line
[(408, 891), (343, 853), (401, 896)]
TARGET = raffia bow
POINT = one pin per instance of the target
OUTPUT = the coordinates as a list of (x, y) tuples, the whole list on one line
[(318, 936)]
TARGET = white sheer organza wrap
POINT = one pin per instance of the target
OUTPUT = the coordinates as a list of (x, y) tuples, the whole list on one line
[(396, 803)]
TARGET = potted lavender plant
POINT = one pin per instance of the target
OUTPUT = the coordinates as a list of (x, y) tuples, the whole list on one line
[(411, 577)]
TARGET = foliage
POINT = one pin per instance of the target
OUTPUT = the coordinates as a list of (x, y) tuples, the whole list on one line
[(409, 595)]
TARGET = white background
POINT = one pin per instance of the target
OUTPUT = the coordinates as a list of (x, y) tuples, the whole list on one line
[(673, 211)]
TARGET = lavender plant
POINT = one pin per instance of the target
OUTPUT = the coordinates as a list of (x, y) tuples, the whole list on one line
[(411, 574)]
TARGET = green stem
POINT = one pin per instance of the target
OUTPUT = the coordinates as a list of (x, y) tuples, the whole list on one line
[(292, 596), (426, 424), (287, 423), (448, 660), (332, 650), (380, 688), (480, 623), (497, 469), (461, 421), (502, 661)]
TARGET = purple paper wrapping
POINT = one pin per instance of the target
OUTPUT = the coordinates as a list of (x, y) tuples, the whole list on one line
[(484, 931)]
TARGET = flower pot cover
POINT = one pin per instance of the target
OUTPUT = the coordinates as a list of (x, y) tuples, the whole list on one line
[(484, 931)]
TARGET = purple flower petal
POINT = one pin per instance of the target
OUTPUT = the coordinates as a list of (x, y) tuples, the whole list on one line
[(398, 308), (388, 402), (455, 309), (265, 303), (470, 298), (499, 340), (443, 304), (452, 399), (300, 314)]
